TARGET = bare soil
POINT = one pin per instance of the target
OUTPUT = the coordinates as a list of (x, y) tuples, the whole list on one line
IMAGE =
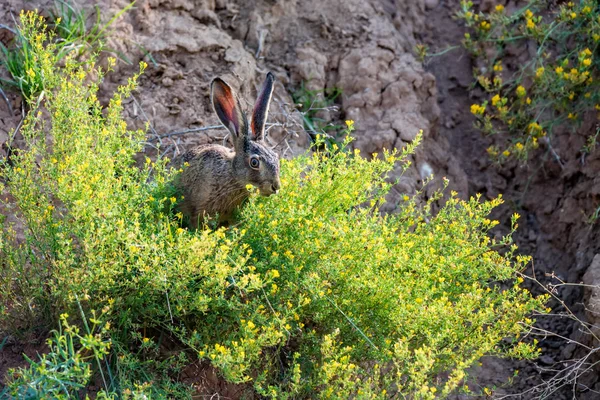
[(554, 196), (365, 48)]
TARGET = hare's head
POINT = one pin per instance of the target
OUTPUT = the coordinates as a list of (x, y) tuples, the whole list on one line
[(254, 163)]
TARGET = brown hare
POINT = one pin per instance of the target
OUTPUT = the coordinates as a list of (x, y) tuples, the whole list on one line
[(214, 178)]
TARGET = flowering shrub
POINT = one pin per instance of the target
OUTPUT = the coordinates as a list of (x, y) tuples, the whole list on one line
[(313, 294), (558, 84)]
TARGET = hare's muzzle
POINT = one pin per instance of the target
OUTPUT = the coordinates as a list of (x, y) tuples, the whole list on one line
[(270, 188), (275, 186)]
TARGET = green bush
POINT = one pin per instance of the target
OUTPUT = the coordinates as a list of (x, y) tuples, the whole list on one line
[(28, 72), (557, 86), (313, 294)]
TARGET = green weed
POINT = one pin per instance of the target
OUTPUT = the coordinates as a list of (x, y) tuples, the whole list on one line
[(312, 102), (69, 23), (65, 370), (65, 34)]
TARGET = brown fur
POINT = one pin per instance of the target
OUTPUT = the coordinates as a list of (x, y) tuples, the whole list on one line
[(214, 178)]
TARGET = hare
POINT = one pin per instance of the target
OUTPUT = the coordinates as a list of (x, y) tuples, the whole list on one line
[(214, 178)]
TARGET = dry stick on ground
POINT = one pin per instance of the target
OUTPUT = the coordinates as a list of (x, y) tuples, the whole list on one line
[(137, 104), (155, 134), (289, 125), (261, 41), (550, 290), (10, 109), (562, 378), (574, 369), (186, 131)]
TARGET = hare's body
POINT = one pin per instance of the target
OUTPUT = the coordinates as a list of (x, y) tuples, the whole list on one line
[(214, 178), (208, 184)]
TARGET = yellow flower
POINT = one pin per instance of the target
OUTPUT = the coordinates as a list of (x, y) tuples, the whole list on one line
[(539, 72), (519, 146), (496, 99), (587, 62), (528, 101), (251, 325), (476, 109), (528, 14), (485, 25), (572, 116), (559, 70), (573, 15), (530, 24), (499, 8), (349, 123), (506, 153), (498, 67), (586, 52), (275, 273), (521, 91)]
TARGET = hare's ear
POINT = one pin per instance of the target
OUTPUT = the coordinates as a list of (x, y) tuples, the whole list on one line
[(261, 108), (228, 109)]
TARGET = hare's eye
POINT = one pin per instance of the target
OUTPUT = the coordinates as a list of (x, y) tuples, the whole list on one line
[(254, 162)]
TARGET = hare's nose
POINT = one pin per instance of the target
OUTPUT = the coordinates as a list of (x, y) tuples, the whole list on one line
[(275, 186)]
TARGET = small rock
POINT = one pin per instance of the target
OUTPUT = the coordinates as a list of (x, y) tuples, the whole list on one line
[(532, 235), (592, 291), (431, 4), (450, 124), (174, 109), (548, 360), (233, 55), (567, 352), (206, 17)]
